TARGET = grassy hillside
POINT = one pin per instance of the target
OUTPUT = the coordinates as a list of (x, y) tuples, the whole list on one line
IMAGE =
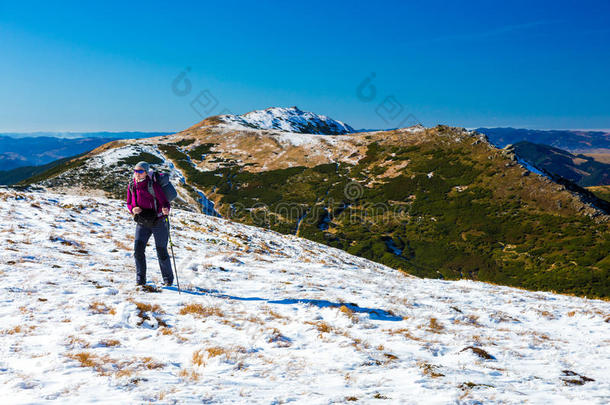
[(602, 192), (438, 203), (457, 211)]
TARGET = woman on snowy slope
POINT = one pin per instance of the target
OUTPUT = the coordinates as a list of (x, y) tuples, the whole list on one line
[(146, 201)]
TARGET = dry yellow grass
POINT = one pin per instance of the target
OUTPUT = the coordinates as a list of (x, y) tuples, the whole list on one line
[(149, 311), (230, 354), (322, 327), (358, 344), (215, 351), (148, 307), (105, 147), (274, 314), (105, 365), (87, 359), (198, 358), (600, 157), (255, 319), (73, 342), (98, 307), (12, 331), (191, 375), (468, 320), (151, 364), (124, 373), (435, 326), (430, 370), (390, 357), (200, 311), (479, 352), (167, 331), (547, 315), (349, 313), (18, 329), (109, 342), (404, 332), (278, 338), (122, 245)]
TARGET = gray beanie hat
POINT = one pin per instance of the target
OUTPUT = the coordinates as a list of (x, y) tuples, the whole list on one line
[(143, 165)]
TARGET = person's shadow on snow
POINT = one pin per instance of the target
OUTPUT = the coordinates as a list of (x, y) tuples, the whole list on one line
[(374, 313)]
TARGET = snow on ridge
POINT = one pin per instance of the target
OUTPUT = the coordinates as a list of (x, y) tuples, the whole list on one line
[(110, 157), (289, 120), (523, 163), (531, 168), (414, 129), (296, 139), (273, 319)]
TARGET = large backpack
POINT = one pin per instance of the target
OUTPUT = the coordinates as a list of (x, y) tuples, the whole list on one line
[(168, 188)]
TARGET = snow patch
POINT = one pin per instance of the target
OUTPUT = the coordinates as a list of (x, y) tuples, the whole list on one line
[(266, 317), (288, 120)]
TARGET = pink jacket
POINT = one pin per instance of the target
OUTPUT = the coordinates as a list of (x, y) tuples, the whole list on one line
[(143, 199)]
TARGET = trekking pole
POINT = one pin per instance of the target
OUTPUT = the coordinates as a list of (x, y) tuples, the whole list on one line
[(171, 245)]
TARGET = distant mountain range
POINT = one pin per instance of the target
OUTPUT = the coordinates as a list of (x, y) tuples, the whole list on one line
[(582, 157), (14, 176), (435, 202), (40, 148), (570, 140), (580, 169)]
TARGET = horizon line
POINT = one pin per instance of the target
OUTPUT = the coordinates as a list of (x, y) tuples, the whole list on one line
[(68, 132)]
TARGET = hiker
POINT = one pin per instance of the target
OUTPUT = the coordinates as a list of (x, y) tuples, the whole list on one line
[(149, 211)]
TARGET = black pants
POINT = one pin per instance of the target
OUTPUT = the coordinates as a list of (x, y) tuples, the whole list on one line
[(161, 234)]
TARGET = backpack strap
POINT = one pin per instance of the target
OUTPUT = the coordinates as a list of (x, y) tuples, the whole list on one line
[(151, 190), (132, 190)]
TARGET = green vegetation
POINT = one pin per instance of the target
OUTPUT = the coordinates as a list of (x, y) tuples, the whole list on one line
[(185, 142), (417, 221), (142, 157), (198, 151)]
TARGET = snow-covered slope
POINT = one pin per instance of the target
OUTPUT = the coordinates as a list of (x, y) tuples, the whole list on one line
[(289, 120), (267, 318)]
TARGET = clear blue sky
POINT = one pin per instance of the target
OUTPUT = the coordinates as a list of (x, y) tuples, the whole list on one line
[(110, 65)]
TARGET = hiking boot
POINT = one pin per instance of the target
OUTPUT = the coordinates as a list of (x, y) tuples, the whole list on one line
[(148, 288)]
